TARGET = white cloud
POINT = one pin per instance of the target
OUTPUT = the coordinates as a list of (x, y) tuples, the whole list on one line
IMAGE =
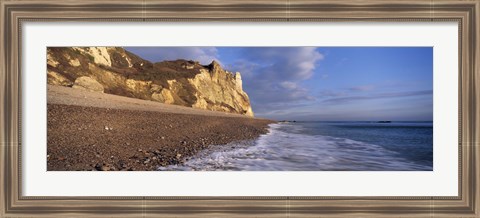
[(274, 74), (286, 63), (288, 85)]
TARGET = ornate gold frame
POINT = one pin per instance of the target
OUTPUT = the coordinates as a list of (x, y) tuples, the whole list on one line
[(15, 12)]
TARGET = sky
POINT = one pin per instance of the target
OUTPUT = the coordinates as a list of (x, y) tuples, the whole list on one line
[(323, 83)]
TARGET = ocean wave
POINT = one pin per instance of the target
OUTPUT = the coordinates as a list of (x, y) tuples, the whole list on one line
[(282, 150)]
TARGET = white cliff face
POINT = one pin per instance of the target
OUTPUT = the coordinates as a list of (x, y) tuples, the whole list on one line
[(178, 82), (100, 54), (87, 83), (164, 96), (238, 82), (128, 60), (218, 90)]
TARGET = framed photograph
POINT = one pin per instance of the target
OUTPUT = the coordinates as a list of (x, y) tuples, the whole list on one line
[(239, 108)]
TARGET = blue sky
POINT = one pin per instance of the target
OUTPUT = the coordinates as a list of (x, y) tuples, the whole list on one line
[(324, 83)]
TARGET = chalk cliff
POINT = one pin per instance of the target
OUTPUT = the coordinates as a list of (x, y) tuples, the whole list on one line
[(116, 71)]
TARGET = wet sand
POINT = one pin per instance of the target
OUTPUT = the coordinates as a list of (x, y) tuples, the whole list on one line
[(133, 136)]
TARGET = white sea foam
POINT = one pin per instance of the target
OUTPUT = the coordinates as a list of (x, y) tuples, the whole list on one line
[(293, 151)]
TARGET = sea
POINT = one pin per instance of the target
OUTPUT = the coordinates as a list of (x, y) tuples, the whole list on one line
[(324, 146)]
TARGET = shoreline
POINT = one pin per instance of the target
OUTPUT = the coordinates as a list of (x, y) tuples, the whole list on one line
[(93, 138)]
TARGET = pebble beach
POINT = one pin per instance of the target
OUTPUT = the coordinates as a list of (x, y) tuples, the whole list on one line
[(100, 132)]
